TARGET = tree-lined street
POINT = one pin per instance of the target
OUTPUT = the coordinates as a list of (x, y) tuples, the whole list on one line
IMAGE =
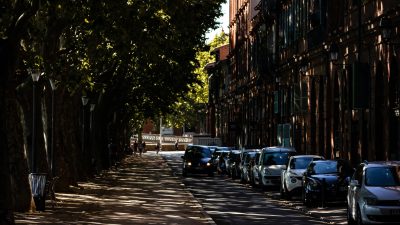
[(151, 190)]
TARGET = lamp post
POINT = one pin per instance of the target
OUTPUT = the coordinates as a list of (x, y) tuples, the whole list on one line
[(53, 84), (91, 138), (35, 78), (85, 101)]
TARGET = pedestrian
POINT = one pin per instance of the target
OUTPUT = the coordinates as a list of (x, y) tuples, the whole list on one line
[(112, 153), (157, 147), (144, 146), (135, 148), (176, 144), (141, 147)]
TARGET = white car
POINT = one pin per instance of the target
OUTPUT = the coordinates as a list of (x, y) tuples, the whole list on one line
[(373, 195), (272, 161), (291, 177)]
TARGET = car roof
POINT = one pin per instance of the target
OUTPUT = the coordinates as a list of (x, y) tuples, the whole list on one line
[(382, 163), (251, 150), (236, 151), (307, 156), (222, 150), (200, 146), (279, 149)]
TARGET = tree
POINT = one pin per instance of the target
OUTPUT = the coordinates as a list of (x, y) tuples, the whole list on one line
[(133, 58), (193, 103)]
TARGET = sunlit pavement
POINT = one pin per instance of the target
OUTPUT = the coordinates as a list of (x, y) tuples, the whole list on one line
[(142, 190)]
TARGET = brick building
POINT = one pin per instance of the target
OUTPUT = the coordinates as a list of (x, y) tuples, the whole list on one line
[(321, 76)]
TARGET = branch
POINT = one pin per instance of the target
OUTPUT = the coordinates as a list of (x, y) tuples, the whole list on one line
[(23, 19)]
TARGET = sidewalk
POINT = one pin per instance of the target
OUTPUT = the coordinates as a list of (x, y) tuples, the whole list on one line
[(140, 191)]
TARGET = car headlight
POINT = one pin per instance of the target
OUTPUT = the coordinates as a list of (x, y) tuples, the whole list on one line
[(189, 163), (208, 164), (370, 200), (266, 171)]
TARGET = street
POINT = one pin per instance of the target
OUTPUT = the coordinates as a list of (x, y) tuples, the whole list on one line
[(151, 190), (229, 202)]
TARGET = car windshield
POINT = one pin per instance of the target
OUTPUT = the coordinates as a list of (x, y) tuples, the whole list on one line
[(199, 153), (249, 156), (234, 156), (300, 163), (325, 167), (276, 158), (382, 176)]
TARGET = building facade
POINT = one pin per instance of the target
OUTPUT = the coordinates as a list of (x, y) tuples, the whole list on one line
[(321, 76)]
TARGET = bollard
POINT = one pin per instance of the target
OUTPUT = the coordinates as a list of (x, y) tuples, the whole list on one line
[(38, 184)]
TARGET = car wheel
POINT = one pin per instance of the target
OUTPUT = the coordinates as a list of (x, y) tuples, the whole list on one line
[(288, 195), (358, 217), (306, 200), (350, 220), (184, 173), (233, 176), (282, 192), (242, 178)]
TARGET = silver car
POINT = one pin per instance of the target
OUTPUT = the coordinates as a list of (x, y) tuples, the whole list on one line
[(272, 161), (374, 194)]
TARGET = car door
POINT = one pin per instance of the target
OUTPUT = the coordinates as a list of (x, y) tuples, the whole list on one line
[(256, 168), (354, 188), (286, 174)]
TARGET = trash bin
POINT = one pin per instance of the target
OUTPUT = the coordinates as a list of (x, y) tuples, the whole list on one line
[(38, 184)]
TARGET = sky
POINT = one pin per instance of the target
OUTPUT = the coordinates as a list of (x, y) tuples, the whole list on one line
[(224, 21)]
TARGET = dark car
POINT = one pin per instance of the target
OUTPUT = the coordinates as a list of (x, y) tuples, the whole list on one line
[(245, 170), (216, 156), (197, 160), (326, 181), (222, 162), (233, 163)]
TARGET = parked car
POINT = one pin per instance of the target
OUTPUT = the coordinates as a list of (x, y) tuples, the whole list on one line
[(233, 163), (326, 181), (216, 156), (254, 170), (272, 161), (197, 160), (292, 176), (245, 165), (373, 195)]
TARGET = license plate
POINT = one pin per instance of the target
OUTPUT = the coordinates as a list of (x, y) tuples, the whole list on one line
[(395, 211)]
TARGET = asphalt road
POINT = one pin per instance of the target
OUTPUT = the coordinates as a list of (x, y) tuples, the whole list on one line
[(228, 202)]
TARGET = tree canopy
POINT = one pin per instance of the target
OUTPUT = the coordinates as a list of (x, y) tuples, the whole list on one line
[(193, 103), (134, 59)]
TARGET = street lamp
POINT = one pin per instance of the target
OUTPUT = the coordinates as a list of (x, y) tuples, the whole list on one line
[(85, 101), (54, 85), (35, 78), (303, 67), (91, 138), (334, 52)]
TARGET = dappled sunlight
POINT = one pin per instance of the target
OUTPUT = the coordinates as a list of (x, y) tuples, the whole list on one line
[(142, 191), (229, 202), (149, 191)]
